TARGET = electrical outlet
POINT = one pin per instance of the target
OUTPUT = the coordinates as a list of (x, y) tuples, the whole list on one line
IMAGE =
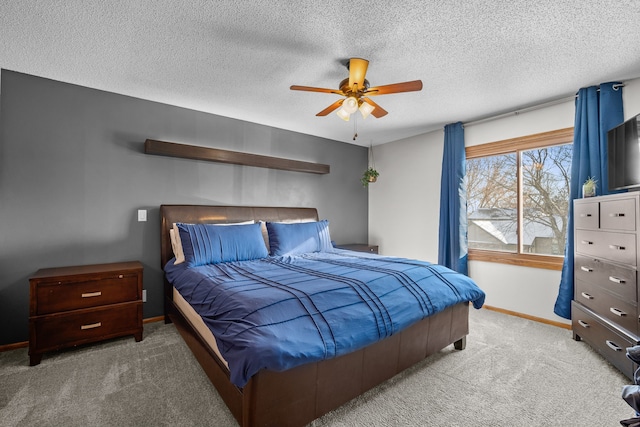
[(142, 215), (144, 295)]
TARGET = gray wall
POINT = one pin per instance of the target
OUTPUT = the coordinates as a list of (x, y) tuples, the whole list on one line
[(73, 174)]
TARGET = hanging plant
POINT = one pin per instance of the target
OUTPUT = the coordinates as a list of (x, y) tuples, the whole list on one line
[(370, 175)]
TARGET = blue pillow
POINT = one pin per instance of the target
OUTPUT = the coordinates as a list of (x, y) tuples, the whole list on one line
[(211, 244), (298, 238)]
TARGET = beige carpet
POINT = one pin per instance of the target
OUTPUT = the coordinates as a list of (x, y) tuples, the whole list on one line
[(514, 372)]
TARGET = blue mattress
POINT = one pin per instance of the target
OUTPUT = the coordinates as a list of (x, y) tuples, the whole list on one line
[(280, 312)]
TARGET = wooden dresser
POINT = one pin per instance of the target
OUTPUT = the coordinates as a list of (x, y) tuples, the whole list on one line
[(605, 307), (82, 304)]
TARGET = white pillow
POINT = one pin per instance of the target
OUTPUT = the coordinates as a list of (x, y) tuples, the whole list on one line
[(176, 242)]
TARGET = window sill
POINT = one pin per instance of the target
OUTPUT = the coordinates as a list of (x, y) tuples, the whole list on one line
[(547, 262)]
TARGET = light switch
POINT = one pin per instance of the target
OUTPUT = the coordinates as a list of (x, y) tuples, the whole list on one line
[(142, 215)]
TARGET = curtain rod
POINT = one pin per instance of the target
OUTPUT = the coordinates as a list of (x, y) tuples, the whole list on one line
[(532, 108)]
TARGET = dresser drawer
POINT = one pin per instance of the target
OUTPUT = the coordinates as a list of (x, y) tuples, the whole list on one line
[(618, 247), (607, 305), (70, 294), (616, 279), (586, 215), (83, 326), (618, 214), (607, 341)]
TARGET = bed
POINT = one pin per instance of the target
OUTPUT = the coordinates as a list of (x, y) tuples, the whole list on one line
[(299, 384)]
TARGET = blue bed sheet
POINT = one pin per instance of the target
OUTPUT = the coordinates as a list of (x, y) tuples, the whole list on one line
[(280, 312)]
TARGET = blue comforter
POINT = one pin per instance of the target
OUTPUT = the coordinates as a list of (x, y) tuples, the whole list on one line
[(280, 312)]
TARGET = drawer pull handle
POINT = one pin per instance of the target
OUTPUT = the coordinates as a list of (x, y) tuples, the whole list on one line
[(91, 294), (616, 214), (120, 276), (617, 312), (616, 247), (586, 295), (586, 242), (587, 269), (585, 215), (616, 280), (613, 345), (583, 323), (91, 326)]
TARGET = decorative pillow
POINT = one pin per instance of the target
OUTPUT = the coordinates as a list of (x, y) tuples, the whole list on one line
[(214, 243), (265, 233), (299, 238), (176, 242)]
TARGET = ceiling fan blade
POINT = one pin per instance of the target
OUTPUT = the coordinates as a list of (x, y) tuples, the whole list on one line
[(411, 86), (357, 71), (316, 89), (378, 110), (331, 108)]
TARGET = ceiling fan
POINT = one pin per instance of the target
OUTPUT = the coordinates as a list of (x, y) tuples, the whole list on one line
[(356, 92)]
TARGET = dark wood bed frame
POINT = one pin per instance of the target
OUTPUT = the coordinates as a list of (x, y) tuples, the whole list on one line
[(298, 396)]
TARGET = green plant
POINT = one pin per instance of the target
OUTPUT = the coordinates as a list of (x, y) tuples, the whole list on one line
[(589, 187), (370, 175)]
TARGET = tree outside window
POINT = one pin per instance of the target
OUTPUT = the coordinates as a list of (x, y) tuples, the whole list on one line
[(518, 198)]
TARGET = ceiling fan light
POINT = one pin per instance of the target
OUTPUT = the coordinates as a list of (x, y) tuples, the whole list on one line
[(350, 105), (366, 109), (343, 114)]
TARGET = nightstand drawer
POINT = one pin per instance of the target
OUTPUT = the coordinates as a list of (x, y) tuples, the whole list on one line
[(84, 326), (359, 247), (68, 294)]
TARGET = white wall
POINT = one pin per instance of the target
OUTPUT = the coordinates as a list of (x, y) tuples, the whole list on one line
[(404, 204)]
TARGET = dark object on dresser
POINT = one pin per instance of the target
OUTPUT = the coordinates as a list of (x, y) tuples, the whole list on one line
[(82, 304), (299, 395), (605, 306)]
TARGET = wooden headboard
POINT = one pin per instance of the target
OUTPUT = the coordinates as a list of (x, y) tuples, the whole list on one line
[(195, 214)]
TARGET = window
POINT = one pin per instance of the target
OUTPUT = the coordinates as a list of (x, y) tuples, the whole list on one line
[(518, 199)]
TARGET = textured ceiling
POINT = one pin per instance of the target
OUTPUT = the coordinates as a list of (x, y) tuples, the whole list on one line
[(238, 58)]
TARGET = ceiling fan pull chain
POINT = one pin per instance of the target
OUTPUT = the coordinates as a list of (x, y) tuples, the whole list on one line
[(355, 127)]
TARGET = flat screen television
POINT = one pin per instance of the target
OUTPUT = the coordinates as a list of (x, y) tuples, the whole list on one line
[(623, 151)]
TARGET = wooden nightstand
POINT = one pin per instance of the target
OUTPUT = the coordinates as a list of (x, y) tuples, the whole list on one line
[(359, 247), (82, 304)]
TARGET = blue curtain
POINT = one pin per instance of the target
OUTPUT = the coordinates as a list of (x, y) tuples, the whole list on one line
[(452, 238), (597, 111)]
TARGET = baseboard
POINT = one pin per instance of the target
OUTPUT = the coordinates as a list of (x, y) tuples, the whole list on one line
[(529, 317), (23, 344), (153, 319), (14, 346)]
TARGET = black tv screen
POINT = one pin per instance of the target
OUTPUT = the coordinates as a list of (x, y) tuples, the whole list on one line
[(623, 151)]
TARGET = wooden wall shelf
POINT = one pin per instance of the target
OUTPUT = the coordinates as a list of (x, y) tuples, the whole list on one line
[(195, 152)]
